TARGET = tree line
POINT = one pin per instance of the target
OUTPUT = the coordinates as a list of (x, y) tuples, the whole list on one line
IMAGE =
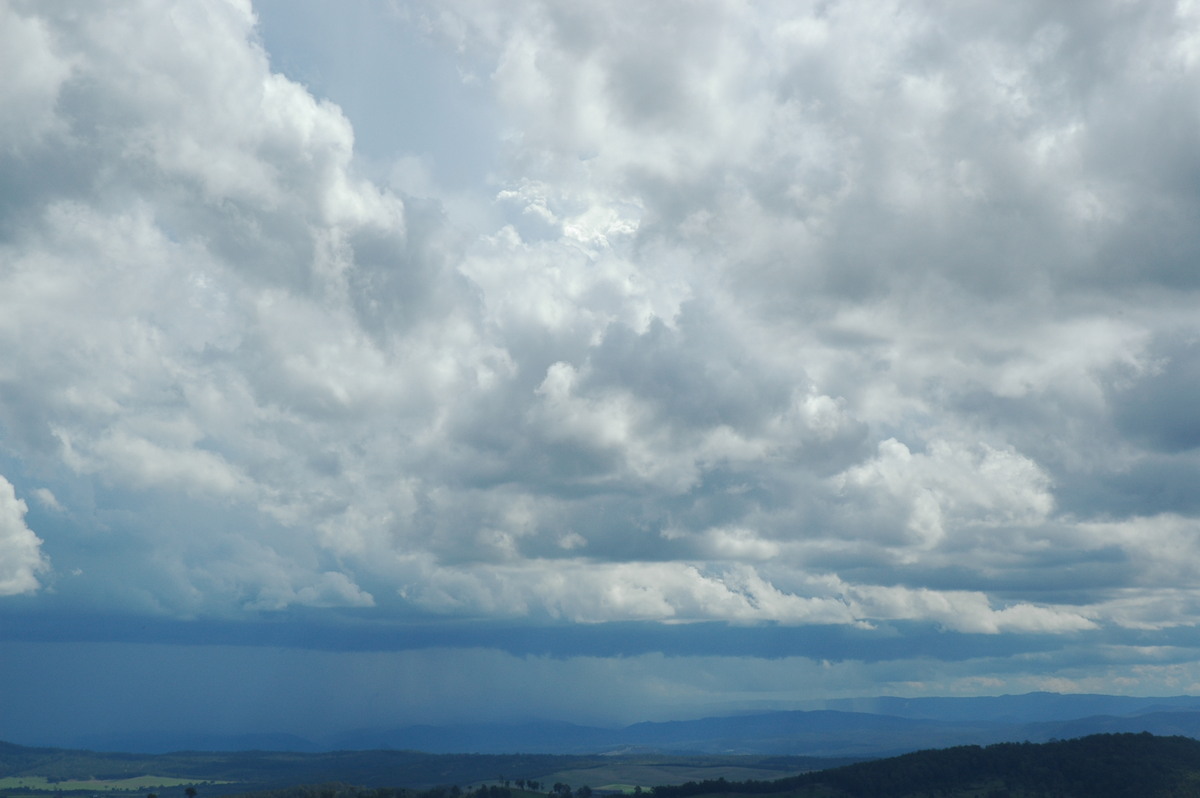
[(502, 789)]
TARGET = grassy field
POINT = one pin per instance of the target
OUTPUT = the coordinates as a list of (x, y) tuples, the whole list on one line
[(27, 784), (43, 772)]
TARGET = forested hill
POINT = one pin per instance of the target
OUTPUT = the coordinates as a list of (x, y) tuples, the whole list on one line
[(1099, 766)]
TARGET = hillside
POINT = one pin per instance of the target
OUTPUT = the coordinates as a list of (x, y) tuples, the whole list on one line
[(1098, 766)]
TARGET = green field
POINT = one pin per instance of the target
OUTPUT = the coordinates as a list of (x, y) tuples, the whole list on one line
[(137, 784)]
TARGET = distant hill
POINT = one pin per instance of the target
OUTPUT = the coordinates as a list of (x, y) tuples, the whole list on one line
[(1023, 708), (861, 728), (1097, 766), (1185, 724), (912, 724)]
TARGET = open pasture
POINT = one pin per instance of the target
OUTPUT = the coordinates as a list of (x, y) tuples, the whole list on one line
[(27, 784)]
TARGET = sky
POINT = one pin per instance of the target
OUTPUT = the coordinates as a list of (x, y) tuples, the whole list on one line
[(371, 363)]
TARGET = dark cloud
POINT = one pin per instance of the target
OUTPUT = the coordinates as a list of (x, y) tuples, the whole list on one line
[(1156, 406)]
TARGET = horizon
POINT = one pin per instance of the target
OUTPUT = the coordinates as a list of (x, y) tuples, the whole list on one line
[(924, 723), (1001, 712), (376, 363)]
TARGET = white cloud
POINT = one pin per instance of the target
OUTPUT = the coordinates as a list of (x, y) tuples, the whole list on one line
[(808, 314), (331, 589), (594, 592), (951, 485), (47, 499), (962, 611), (35, 76), (21, 558), (682, 592), (1159, 548)]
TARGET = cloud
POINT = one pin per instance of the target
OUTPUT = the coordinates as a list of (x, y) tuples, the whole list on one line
[(47, 499), (680, 592), (35, 76), (583, 592), (949, 487), (807, 316), (964, 611), (21, 558)]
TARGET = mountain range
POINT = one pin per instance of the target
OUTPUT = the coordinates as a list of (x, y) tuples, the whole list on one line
[(872, 727)]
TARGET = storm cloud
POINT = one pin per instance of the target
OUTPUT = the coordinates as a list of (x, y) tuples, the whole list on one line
[(824, 315)]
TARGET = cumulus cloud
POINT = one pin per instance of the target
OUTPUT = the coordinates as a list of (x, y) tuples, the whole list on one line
[(588, 593), (948, 487), (21, 558), (797, 314), (35, 75), (682, 592), (964, 611)]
